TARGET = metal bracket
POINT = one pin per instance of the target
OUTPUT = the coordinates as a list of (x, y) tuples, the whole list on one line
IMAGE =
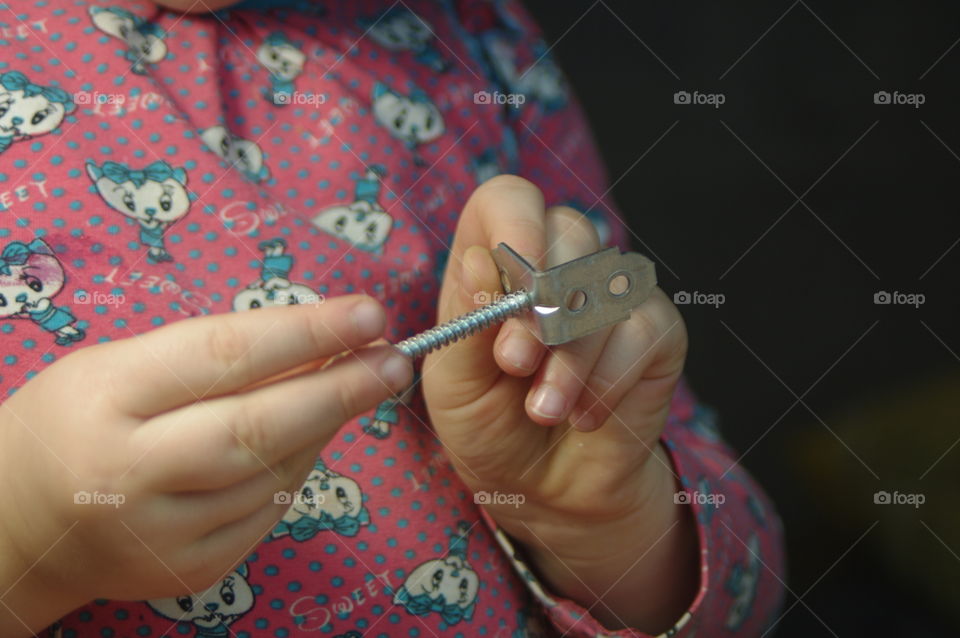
[(579, 297)]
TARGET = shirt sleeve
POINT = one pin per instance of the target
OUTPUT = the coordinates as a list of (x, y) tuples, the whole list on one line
[(739, 533), (549, 142)]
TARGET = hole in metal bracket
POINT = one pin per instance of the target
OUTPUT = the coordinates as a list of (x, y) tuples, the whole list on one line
[(576, 300), (619, 284)]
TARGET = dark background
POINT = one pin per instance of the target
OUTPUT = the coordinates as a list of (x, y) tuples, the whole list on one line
[(802, 296)]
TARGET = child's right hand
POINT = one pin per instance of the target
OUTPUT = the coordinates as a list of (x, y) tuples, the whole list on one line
[(195, 426)]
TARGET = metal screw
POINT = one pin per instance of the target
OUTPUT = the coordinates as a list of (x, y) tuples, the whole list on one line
[(463, 326)]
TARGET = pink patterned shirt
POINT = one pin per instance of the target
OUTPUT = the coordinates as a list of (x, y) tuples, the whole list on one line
[(155, 166)]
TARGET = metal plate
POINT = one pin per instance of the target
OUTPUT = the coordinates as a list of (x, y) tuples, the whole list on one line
[(579, 297)]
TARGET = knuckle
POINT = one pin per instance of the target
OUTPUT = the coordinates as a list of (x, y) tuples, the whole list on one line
[(529, 231), (227, 345), (574, 229), (290, 474), (348, 401), (251, 437), (85, 371), (598, 392), (319, 334)]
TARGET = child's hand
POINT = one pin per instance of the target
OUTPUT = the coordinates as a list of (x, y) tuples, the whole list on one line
[(502, 404), (192, 429)]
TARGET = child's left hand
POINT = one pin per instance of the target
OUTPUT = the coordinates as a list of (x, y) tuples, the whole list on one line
[(572, 430)]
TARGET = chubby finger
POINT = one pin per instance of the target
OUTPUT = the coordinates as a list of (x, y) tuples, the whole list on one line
[(518, 351), (561, 377), (254, 519), (467, 367), (643, 357), (238, 538), (211, 356), (222, 441), (505, 209), (200, 512), (511, 210)]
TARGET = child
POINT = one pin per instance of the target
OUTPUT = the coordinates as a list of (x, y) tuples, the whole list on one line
[(200, 432)]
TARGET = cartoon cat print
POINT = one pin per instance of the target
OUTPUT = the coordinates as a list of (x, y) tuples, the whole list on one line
[(284, 61), (154, 197), (29, 110), (327, 501), (239, 153), (144, 40), (212, 611), (274, 287), (363, 222), (447, 586), (412, 119), (400, 29), (30, 277)]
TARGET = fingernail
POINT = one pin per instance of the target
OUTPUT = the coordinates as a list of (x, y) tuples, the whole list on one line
[(368, 317), (583, 421), (548, 402), (396, 372), (519, 352)]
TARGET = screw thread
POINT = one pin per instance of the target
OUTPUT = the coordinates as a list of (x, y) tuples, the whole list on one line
[(463, 326)]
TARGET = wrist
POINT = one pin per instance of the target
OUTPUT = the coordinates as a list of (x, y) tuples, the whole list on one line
[(640, 570), (31, 598), (30, 604), (639, 513)]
